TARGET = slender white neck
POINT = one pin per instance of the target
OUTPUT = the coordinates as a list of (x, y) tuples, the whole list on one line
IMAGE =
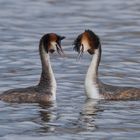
[(91, 80), (47, 80)]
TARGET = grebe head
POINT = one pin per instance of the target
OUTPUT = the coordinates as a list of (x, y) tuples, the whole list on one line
[(52, 42), (88, 41)]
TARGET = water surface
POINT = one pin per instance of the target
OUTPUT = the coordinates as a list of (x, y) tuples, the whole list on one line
[(22, 23)]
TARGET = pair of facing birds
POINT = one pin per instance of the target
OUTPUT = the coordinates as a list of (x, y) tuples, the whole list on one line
[(45, 90)]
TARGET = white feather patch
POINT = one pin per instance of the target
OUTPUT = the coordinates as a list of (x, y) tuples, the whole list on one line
[(91, 87)]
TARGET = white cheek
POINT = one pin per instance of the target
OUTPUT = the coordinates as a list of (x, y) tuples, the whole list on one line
[(53, 45), (86, 46)]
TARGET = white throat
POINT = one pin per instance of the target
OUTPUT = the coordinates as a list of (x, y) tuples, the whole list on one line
[(91, 85), (52, 77)]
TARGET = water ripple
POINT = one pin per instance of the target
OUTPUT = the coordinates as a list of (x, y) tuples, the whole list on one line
[(24, 22)]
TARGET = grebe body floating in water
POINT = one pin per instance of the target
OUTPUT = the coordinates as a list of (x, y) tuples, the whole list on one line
[(94, 88), (45, 91)]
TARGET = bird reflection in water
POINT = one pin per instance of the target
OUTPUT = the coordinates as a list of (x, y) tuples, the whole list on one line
[(49, 118), (89, 113), (47, 115)]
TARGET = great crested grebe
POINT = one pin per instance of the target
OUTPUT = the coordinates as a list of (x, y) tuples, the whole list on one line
[(46, 89), (94, 88)]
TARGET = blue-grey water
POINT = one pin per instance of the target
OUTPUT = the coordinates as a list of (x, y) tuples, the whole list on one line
[(71, 117)]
